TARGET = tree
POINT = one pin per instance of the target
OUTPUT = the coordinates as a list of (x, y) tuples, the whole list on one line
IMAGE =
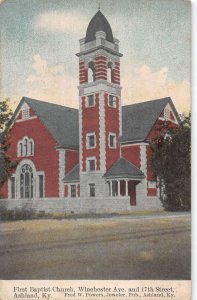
[(6, 163), (171, 162)]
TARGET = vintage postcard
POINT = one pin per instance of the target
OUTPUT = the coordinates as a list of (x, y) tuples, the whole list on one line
[(95, 138)]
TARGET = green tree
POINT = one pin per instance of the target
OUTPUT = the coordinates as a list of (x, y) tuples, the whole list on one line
[(171, 162), (6, 163)]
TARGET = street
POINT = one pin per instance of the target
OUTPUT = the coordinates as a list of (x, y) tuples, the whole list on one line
[(111, 248)]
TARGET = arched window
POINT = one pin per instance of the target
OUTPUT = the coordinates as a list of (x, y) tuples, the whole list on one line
[(25, 147), (109, 72), (91, 72), (26, 181), (20, 149), (31, 148)]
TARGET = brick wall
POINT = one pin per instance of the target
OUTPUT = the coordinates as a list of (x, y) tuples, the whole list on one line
[(45, 156)]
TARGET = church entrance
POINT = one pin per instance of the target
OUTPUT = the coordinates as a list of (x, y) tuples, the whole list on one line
[(132, 192), (123, 187), (26, 181)]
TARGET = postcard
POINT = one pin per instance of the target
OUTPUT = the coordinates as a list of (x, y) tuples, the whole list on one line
[(95, 149)]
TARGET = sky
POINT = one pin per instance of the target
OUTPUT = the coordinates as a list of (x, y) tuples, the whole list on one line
[(39, 40)]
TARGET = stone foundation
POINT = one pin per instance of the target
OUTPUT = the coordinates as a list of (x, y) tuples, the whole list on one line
[(80, 205)]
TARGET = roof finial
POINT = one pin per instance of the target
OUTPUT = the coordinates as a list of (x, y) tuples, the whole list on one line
[(99, 6)]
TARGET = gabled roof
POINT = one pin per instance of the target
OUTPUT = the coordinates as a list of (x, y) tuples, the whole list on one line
[(122, 168), (62, 122), (73, 175), (138, 119)]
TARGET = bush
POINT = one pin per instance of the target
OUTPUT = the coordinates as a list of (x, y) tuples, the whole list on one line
[(17, 214), (171, 162)]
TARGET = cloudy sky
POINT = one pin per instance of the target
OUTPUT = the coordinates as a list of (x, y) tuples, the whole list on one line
[(39, 40)]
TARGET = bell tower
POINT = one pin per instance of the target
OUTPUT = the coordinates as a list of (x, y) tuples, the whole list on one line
[(100, 123)]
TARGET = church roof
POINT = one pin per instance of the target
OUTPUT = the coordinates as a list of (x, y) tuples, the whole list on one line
[(72, 175), (122, 168), (62, 122), (99, 23), (138, 119)]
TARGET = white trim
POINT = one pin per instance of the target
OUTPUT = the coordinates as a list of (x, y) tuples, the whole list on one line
[(17, 174), (24, 162), (120, 115), (142, 187), (123, 178), (9, 189), (170, 120), (92, 172), (23, 120), (99, 86), (35, 180), (102, 133), (86, 54), (118, 188), (109, 73), (61, 171), (80, 134), (133, 144), (66, 148), (87, 140), (167, 110), (115, 140), (143, 160), (118, 180), (91, 74), (126, 188), (99, 52), (25, 108)]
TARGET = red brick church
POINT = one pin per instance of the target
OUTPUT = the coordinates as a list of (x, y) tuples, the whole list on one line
[(95, 158)]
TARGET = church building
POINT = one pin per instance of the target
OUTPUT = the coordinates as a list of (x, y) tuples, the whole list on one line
[(93, 159)]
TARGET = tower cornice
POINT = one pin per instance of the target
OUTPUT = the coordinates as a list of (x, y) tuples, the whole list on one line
[(99, 86), (88, 51)]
